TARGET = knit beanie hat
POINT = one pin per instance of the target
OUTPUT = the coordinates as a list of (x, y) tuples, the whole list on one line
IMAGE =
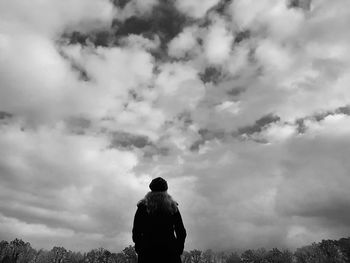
[(158, 185)]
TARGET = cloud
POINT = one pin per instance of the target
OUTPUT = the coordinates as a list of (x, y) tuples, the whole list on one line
[(273, 57), (277, 75), (150, 18), (292, 189), (195, 8), (315, 177), (243, 110), (137, 7), (25, 88), (112, 73), (256, 16), (57, 16), (184, 43), (179, 88), (54, 180), (217, 43), (232, 193)]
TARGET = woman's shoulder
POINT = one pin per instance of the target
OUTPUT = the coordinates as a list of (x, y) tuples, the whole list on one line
[(142, 203)]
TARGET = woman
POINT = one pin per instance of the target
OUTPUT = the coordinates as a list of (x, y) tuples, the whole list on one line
[(158, 231)]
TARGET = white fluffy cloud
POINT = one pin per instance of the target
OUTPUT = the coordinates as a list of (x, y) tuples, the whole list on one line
[(184, 43), (218, 42), (113, 72), (179, 88), (34, 75), (291, 74), (281, 22), (51, 17)]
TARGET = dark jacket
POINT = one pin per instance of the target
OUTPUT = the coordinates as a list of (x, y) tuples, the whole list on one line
[(154, 236)]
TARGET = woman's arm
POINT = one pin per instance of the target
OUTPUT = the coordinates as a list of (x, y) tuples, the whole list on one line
[(137, 230), (180, 232)]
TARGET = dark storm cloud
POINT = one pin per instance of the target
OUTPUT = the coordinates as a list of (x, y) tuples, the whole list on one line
[(259, 125), (222, 6), (164, 21), (320, 116), (126, 140), (303, 4), (120, 3), (211, 74), (235, 91), (5, 115), (256, 128), (241, 36)]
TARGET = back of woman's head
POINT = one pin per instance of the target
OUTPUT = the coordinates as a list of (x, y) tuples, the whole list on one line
[(159, 202)]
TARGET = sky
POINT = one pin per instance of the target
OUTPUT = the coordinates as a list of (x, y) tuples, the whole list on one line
[(242, 106)]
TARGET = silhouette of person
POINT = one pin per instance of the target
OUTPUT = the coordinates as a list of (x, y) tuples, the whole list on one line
[(158, 231)]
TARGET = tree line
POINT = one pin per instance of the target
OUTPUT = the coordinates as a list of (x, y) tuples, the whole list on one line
[(326, 251)]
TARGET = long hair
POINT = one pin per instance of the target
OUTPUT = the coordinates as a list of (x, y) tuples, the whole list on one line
[(159, 201)]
